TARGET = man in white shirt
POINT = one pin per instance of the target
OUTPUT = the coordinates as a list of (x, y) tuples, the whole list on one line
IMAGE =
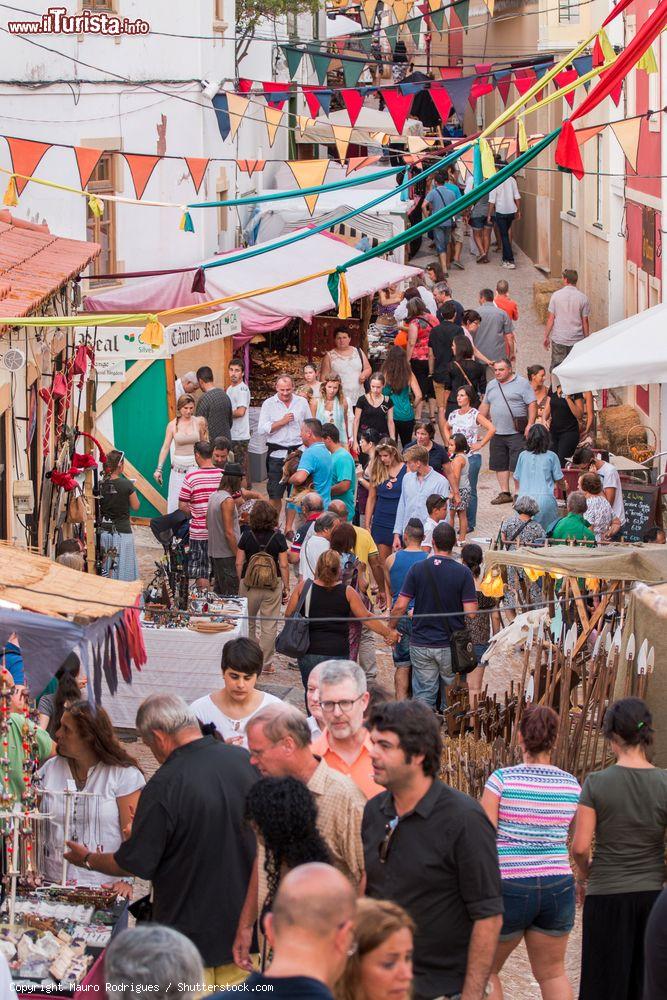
[(437, 512), (315, 544), (425, 295), (506, 201), (280, 420), (186, 383), (420, 482), (239, 395)]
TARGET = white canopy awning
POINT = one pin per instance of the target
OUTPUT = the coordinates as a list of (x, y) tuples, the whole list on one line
[(631, 352)]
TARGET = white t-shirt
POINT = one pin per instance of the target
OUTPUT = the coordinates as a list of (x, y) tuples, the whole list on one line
[(207, 711), (429, 525), (94, 818), (608, 473), (315, 730), (505, 197), (7, 990), (311, 550), (239, 395)]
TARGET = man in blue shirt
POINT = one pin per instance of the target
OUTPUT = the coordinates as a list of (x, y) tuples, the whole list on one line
[(444, 591), (344, 471), (418, 484), (315, 461), (440, 196)]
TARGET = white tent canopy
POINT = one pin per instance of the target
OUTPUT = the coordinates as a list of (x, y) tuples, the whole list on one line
[(631, 352)]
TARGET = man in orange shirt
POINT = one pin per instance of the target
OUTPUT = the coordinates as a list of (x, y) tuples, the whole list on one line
[(503, 301), (345, 743)]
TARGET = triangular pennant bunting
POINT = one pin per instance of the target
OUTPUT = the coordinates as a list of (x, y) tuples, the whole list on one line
[(442, 101), (415, 28), (401, 9), (219, 102), (353, 102), (438, 19), (459, 92), (503, 81), (648, 61), (245, 86), (309, 173), (352, 70), (323, 97), (365, 42), (628, 134), (490, 5), (86, 161), (342, 135), (584, 134), (236, 109), (565, 77), (293, 59), (321, 62), (273, 117), (391, 31), (462, 11), (304, 123), (197, 167), (311, 99), (369, 11), (25, 156), (398, 106), (412, 88), (251, 167), (524, 80), (276, 94), (358, 162), (141, 168)]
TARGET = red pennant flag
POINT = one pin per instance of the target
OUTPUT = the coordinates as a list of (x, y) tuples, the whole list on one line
[(503, 86), (311, 99), (398, 106), (524, 80), (245, 86), (450, 72), (353, 102), (197, 168), (442, 101), (357, 162), (141, 167), (563, 78), (251, 166), (568, 155), (25, 156), (616, 91), (598, 54), (86, 161), (273, 89), (615, 11), (479, 89)]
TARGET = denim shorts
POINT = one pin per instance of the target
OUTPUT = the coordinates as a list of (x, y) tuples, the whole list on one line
[(401, 651), (542, 903), (479, 222), (441, 237)]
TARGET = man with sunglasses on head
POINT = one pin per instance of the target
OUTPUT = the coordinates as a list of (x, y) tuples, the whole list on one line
[(432, 850), (345, 744)]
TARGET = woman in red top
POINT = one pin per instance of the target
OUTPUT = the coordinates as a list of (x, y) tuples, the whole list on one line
[(420, 323)]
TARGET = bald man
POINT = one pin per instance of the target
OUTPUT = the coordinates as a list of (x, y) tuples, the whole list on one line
[(310, 932)]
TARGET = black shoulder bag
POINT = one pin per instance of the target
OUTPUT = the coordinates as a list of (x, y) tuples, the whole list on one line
[(460, 640), (520, 423)]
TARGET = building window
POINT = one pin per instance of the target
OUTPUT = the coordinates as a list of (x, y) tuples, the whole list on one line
[(571, 194), (103, 230), (100, 5), (599, 186), (568, 12), (222, 193), (219, 23)]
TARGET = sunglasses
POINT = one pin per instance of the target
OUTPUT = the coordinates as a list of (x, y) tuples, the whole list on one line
[(389, 831)]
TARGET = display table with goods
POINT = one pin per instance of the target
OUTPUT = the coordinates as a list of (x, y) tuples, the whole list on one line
[(183, 650)]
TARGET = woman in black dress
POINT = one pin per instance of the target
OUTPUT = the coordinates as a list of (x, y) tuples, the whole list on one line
[(374, 411), (463, 371), (563, 415)]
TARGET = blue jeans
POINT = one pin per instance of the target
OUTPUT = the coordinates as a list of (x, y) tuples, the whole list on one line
[(541, 903), (504, 222), (474, 467), (431, 668)]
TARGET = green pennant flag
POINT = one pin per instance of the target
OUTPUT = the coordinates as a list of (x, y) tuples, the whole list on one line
[(321, 62), (365, 40), (352, 70), (415, 25), (333, 282), (462, 8), (391, 31), (438, 18), (293, 57)]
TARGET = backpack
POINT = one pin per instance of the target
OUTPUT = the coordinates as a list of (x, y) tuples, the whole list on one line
[(261, 572)]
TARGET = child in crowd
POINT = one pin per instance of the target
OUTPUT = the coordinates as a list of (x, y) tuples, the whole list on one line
[(503, 301), (460, 481), (436, 506)]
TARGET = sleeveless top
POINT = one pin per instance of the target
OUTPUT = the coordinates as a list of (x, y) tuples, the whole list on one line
[(387, 495), (464, 423), (349, 370), (326, 636), (335, 415), (424, 327), (403, 560), (184, 441)]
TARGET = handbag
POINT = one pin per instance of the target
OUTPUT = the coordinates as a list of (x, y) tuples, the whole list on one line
[(294, 640), (520, 423), (77, 508), (460, 639), (142, 909)]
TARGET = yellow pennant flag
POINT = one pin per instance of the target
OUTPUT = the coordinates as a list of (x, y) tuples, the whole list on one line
[(489, 4), (401, 9), (304, 123), (236, 107), (342, 135), (309, 173), (416, 144), (488, 165), (273, 118), (521, 138), (648, 61), (628, 133), (369, 11)]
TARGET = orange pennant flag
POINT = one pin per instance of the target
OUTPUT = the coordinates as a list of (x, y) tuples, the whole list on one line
[(628, 133), (86, 161), (342, 135), (141, 167), (273, 117), (251, 167), (197, 167), (25, 156), (357, 162), (309, 173), (584, 134), (237, 106)]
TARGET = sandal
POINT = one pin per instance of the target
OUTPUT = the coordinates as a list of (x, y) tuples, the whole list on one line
[(502, 498)]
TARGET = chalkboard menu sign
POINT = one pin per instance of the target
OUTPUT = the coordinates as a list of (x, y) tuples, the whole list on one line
[(641, 503)]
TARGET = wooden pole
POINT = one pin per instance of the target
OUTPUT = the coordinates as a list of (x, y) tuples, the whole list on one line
[(170, 377), (89, 415)]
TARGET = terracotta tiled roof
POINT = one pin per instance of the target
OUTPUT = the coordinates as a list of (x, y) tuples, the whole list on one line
[(34, 264)]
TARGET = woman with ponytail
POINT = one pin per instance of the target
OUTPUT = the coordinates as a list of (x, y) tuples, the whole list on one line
[(532, 806), (117, 498), (624, 809)]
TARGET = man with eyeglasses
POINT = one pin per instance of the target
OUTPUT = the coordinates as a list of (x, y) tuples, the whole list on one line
[(432, 850), (344, 744)]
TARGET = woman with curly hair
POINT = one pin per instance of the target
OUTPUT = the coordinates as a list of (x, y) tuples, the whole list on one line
[(283, 815), (381, 966), (386, 474), (399, 379), (332, 407)]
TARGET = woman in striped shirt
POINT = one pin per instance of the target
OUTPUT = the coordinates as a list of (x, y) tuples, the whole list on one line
[(532, 806)]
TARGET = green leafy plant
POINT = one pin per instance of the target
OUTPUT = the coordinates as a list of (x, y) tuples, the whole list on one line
[(249, 14)]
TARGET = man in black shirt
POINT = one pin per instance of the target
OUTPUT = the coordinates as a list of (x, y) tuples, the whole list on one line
[(214, 405), (440, 352), (189, 837), (310, 930), (432, 850)]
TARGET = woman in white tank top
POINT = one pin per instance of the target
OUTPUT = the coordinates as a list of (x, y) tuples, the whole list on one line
[(183, 433)]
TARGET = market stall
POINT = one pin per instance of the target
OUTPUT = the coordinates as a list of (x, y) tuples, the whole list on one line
[(646, 618)]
